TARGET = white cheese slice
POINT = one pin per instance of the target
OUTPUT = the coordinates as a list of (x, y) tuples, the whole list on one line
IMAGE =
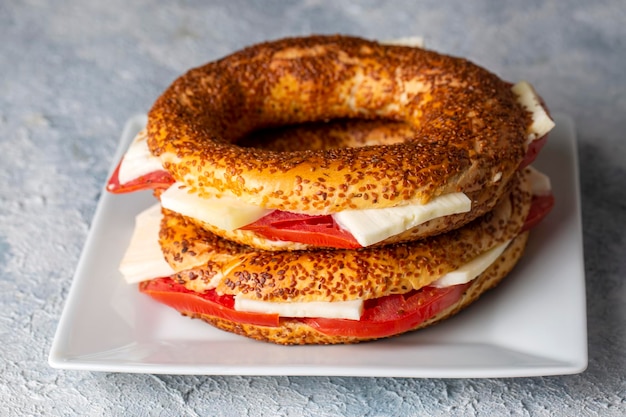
[(138, 160), (351, 310), (472, 269), (143, 259), (225, 212), (540, 182), (371, 226), (413, 41), (541, 121)]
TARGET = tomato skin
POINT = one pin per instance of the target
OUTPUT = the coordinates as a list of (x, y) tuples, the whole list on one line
[(152, 181), (533, 150), (168, 292), (320, 231), (540, 207), (393, 314)]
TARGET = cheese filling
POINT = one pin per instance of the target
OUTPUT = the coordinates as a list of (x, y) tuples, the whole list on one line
[(370, 226), (138, 160), (227, 213), (350, 310), (472, 269), (539, 182), (541, 122), (143, 259)]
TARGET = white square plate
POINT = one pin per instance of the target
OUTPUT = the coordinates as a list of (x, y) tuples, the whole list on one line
[(534, 323)]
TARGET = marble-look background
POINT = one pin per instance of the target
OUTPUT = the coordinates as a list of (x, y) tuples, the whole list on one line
[(73, 71)]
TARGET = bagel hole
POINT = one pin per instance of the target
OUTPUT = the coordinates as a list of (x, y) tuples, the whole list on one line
[(333, 134)]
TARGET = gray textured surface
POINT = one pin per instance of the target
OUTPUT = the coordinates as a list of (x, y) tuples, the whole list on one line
[(73, 71)]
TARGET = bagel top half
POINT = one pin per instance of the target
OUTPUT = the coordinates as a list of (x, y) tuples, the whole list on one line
[(470, 130)]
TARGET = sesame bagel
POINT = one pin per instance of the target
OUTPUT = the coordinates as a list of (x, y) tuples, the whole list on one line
[(203, 261), (469, 130), (341, 134), (299, 332)]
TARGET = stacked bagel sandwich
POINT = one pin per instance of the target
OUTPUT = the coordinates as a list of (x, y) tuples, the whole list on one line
[(331, 189)]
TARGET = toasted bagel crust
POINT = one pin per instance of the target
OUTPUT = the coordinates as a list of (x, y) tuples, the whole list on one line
[(204, 261), (295, 332), (470, 128)]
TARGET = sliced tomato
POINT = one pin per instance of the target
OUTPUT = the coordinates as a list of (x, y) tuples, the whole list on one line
[(393, 314), (301, 228), (168, 292), (533, 150), (382, 317), (540, 207), (152, 181)]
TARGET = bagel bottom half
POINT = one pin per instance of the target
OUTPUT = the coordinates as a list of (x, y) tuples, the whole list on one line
[(297, 332)]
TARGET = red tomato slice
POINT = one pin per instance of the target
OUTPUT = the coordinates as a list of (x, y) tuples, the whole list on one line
[(533, 150), (301, 228), (393, 314), (151, 181), (168, 292), (540, 207), (385, 316)]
